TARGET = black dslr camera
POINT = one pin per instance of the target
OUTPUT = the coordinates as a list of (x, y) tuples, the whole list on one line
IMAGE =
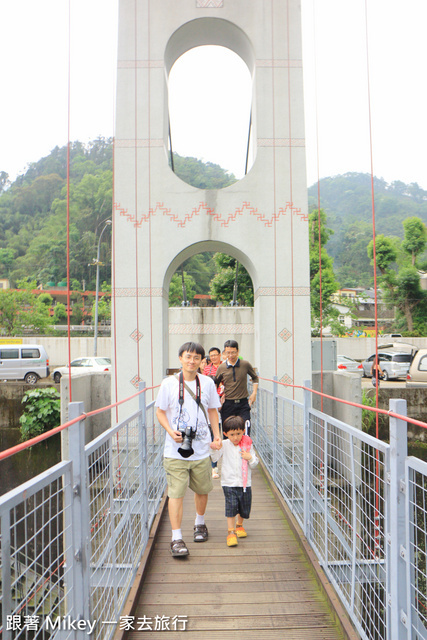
[(186, 450)]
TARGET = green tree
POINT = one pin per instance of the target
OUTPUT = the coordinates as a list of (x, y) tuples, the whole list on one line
[(405, 293), (222, 284), (402, 289), (202, 267), (4, 180), (6, 259), (415, 237), (321, 279), (104, 305), (385, 252), (22, 309), (59, 314), (203, 175), (175, 289)]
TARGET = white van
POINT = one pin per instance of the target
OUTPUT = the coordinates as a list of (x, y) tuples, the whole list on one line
[(28, 362)]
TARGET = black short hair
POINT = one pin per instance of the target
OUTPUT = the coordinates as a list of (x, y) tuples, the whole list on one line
[(215, 349), (232, 344), (192, 347), (233, 422)]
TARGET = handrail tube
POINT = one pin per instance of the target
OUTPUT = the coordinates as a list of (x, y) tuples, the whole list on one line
[(48, 434), (384, 412)]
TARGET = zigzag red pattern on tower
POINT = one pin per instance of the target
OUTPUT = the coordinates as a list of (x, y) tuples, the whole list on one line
[(224, 221)]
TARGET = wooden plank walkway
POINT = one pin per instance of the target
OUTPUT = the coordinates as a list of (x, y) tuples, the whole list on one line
[(265, 588)]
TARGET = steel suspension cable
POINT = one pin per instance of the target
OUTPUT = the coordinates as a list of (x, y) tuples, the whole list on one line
[(136, 183), (273, 100), (291, 196), (149, 195), (113, 280), (68, 200), (376, 516), (318, 205)]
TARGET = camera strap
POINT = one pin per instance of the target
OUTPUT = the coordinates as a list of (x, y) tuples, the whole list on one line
[(196, 397)]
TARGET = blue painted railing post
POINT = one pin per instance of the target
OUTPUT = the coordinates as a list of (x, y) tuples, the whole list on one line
[(143, 459), (275, 428), (306, 456), (397, 614), (80, 528)]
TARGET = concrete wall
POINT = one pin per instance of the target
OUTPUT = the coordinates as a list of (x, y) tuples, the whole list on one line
[(416, 399), (94, 390), (346, 386), (211, 326), (11, 394), (57, 348), (361, 348)]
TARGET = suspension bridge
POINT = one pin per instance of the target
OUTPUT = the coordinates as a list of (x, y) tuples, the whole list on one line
[(337, 541), (336, 545)]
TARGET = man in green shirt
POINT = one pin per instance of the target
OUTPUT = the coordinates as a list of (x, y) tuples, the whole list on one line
[(233, 374)]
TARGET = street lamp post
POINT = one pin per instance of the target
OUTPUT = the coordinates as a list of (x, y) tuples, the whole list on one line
[(95, 341)]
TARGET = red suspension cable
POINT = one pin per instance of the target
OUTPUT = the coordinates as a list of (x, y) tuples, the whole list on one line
[(149, 196), (376, 515), (291, 196), (318, 206), (68, 199), (136, 182), (273, 101)]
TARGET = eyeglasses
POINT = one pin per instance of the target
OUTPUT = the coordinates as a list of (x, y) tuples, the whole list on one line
[(192, 357)]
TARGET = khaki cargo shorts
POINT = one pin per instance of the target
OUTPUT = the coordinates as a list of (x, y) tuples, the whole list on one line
[(180, 474)]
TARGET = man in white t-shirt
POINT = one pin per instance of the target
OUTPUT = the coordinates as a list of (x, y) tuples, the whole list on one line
[(188, 402)]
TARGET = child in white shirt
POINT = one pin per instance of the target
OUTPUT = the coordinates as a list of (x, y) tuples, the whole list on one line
[(238, 458)]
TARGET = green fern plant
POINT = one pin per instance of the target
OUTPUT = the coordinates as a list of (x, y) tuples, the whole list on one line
[(42, 412)]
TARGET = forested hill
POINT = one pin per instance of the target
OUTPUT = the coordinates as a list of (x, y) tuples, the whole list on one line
[(33, 214), (347, 202)]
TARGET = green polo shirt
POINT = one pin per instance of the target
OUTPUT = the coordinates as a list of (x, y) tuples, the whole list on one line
[(236, 382)]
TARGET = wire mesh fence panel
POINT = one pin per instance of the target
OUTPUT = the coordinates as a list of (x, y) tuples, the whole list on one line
[(290, 454), (73, 537), (416, 491), (126, 483), (347, 491), (36, 542), (334, 478), (155, 472)]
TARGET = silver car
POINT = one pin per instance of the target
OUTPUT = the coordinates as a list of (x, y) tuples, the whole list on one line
[(344, 363), (395, 364), (82, 365)]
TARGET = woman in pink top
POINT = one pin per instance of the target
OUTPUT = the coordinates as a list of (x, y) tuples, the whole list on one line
[(210, 370)]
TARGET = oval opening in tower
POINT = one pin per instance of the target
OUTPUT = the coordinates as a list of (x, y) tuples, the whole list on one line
[(210, 117)]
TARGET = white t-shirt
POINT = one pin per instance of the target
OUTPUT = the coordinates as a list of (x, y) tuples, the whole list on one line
[(168, 400)]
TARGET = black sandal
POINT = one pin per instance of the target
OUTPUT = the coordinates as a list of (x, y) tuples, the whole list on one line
[(179, 549), (200, 533)]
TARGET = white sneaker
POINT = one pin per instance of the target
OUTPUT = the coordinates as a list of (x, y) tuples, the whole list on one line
[(215, 473)]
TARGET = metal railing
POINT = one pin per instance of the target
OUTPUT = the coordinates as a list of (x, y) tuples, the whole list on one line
[(361, 503), (72, 538)]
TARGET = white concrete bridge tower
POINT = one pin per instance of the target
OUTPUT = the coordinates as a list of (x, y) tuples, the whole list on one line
[(160, 220)]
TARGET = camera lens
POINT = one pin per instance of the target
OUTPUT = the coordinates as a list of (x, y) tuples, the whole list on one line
[(186, 450)]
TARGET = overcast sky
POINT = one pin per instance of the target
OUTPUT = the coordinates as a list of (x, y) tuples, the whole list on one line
[(34, 80)]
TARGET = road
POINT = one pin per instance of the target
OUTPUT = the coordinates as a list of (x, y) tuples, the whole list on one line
[(397, 384)]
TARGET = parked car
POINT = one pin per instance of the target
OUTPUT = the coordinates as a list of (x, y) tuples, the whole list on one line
[(82, 365), (344, 363), (395, 364), (28, 362), (417, 374)]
